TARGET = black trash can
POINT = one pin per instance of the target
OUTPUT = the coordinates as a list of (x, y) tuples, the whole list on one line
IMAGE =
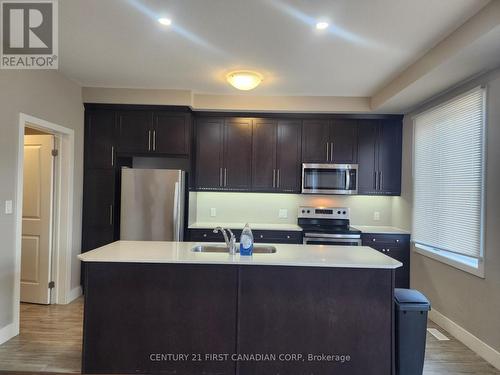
[(411, 328)]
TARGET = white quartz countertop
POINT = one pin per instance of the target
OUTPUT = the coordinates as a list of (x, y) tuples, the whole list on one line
[(209, 225), (379, 229), (286, 255)]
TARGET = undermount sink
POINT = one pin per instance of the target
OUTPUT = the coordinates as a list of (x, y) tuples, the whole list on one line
[(223, 249)]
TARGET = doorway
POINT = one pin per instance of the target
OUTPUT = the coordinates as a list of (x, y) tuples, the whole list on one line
[(44, 215)]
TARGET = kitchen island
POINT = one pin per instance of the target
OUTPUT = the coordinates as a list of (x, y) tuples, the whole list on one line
[(159, 307)]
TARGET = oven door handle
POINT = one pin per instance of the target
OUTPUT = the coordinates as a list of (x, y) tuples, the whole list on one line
[(331, 235), (310, 240)]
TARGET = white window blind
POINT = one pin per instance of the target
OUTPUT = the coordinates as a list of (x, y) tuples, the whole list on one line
[(448, 175)]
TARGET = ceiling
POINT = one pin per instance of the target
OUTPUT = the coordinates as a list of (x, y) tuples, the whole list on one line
[(119, 43)]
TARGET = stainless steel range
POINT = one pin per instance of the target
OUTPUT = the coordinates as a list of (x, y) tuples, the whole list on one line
[(327, 226)]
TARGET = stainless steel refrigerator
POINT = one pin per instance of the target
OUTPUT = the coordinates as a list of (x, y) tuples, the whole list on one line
[(152, 204)]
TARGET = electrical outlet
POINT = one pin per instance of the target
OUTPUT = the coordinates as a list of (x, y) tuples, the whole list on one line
[(213, 212), (8, 207), (376, 215), (283, 213)]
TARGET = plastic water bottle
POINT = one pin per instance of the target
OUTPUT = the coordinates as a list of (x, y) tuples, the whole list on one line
[(246, 241)]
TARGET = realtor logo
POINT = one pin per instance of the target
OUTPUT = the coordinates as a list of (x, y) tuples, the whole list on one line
[(29, 35)]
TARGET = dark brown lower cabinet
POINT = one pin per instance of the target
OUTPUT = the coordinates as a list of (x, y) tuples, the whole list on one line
[(260, 236), (146, 318), (396, 246), (139, 318), (99, 208)]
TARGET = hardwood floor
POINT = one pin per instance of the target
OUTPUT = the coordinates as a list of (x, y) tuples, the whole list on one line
[(51, 341), (452, 357)]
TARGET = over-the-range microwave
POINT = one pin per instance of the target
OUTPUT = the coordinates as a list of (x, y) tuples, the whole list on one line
[(329, 178)]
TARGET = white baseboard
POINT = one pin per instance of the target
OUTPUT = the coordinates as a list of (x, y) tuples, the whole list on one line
[(74, 294), (482, 349), (8, 332)]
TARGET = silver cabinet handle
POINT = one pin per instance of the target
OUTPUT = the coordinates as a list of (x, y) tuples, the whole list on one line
[(220, 177), (331, 151), (381, 181), (287, 237), (274, 178), (154, 140), (149, 140), (204, 235), (110, 214), (261, 236), (112, 156), (327, 153), (278, 179), (374, 239), (225, 177)]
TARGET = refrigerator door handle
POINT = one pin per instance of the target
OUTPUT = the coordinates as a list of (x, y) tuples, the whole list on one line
[(176, 211)]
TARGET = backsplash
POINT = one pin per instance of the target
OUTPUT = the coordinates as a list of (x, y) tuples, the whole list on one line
[(264, 208)]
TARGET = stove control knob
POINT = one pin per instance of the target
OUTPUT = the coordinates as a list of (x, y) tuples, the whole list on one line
[(308, 211), (338, 212), (344, 212), (303, 211)]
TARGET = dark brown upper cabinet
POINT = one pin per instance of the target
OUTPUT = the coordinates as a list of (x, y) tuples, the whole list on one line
[(329, 141), (161, 132), (379, 155), (171, 133), (209, 153), (223, 154), (344, 141), (237, 154), (100, 142), (135, 131), (316, 141), (276, 155)]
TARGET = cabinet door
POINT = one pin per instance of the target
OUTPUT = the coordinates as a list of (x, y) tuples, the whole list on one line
[(99, 212), (237, 154), (288, 156), (367, 156), (264, 155), (100, 139), (316, 141), (389, 157), (343, 141), (135, 131), (209, 142), (171, 133)]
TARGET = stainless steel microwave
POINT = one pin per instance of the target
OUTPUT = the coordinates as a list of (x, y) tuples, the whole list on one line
[(329, 178)]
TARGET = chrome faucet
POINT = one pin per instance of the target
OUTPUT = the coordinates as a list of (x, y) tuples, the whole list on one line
[(230, 242)]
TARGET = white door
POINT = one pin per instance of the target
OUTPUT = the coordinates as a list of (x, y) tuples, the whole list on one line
[(36, 240)]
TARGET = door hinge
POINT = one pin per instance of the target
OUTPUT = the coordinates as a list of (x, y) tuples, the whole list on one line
[(55, 152), (52, 285)]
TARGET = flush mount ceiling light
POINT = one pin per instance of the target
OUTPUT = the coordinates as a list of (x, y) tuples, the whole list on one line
[(322, 25), (165, 21), (244, 79)]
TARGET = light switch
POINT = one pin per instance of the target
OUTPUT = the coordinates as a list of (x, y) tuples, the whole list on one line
[(213, 212), (283, 213), (8, 207), (376, 215)]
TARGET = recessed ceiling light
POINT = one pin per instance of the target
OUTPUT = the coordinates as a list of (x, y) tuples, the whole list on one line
[(322, 25), (244, 79), (165, 21)]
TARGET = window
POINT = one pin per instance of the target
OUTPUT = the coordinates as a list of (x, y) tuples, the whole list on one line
[(448, 181)]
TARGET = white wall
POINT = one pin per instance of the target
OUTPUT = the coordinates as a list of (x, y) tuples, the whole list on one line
[(263, 208), (51, 97), (470, 301)]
